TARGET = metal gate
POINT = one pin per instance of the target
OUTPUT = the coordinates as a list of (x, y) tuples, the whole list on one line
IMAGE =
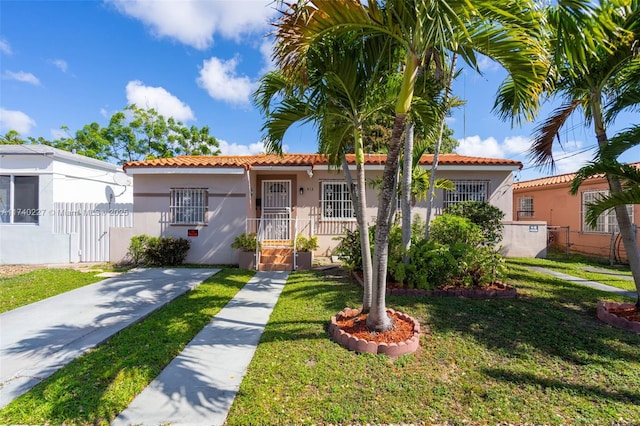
[(91, 221), (276, 210)]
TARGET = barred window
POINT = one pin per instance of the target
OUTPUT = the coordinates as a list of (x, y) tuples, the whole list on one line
[(336, 201), (188, 206), (467, 190), (607, 222), (525, 207)]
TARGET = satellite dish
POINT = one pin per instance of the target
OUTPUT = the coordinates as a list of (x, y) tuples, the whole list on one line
[(121, 179)]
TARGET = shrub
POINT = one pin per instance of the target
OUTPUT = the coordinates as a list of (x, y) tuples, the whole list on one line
[(137, 247), (348, 249), (158, 251), (306, 244), (477, 265), (486, 216), (451, 230), (245, 242)]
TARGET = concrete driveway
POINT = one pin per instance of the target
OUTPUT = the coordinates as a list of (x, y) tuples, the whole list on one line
[(38, 339)]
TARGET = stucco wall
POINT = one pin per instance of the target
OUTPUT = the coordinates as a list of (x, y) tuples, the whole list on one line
[(524, 239), (59, 180)]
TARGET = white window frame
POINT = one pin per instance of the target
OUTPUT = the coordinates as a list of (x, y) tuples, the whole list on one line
[(342, 204), (188, 206), (607, 222), (11, 211), (462, 192), (525, 206)]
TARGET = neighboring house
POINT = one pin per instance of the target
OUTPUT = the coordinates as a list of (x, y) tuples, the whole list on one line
[(57, 207), (212, 199), (548, 199)]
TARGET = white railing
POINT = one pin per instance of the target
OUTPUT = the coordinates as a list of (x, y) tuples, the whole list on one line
[(259, 237), (278, 231)]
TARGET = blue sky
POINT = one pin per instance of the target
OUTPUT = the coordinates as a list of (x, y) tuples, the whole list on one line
[(75, 62)]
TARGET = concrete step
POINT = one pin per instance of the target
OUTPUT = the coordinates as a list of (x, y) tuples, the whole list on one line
[(275, 267)]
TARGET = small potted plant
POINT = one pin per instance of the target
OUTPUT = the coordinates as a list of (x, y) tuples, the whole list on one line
[(247, 244), (304, 250)]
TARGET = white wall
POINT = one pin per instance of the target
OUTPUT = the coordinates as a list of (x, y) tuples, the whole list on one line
[(524, 239)]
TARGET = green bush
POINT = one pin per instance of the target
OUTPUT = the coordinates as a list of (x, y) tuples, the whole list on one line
[(137, 247), (158, 251), (245, 242), (306, 244), (451, 230), (486, 216), (348, 249)]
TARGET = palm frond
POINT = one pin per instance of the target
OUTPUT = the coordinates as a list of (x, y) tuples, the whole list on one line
[(630, 195), (541, 152)]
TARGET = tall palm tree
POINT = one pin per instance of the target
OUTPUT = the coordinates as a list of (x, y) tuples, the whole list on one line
[(596, 70), (340, 92), (504, 30)]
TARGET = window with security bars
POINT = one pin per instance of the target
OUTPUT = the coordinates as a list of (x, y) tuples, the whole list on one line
[(336, 201), (467, 190), (525, 207), (188, 206), (607, 222)]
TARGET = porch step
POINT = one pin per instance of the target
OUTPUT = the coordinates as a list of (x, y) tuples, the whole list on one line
[(276, 259)]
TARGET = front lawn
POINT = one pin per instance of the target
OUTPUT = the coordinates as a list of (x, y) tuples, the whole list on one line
[(542, 358), (30, 287)]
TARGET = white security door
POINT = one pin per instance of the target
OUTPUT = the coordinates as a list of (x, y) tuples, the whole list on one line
[(276, 209)]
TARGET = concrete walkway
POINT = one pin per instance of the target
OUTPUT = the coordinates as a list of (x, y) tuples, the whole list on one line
[(582, 281), (199, 386), (40, 338)]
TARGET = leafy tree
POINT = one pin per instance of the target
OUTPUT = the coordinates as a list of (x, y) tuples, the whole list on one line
[(596, 69), (12, 137), (488, 218)]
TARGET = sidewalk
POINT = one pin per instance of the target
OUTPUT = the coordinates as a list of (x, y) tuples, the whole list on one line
[(200, 384), (40, 338), (582, 281)]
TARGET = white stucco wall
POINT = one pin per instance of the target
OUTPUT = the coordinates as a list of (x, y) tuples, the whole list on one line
[(62, 177)]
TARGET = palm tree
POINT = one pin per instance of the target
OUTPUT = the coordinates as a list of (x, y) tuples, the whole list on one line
[(506, 31), (342, 91), (596, 70)]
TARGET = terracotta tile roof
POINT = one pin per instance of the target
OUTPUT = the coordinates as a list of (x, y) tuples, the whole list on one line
[(563, 179), (248, 161)]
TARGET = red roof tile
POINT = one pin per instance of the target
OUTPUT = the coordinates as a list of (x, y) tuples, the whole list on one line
[(248, 161), (555, 180)]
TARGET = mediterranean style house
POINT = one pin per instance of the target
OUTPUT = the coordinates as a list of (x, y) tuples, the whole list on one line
[(58, 207), (548, 199), (213, 199)]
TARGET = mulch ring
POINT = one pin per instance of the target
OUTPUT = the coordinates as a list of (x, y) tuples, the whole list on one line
[(621, 315)]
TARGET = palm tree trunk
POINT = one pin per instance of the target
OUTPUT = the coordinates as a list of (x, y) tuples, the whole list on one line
[(406, 190), (436, 151), (359, 205), (615, 187), (378, 320)]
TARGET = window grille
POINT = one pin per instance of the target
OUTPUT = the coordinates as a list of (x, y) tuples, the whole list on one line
[(19, 199), (188, 206), (467, 190), (606, 222), (525, 207), (336, 201)]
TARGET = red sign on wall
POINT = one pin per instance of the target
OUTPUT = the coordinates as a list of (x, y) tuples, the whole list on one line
[(192, 232)]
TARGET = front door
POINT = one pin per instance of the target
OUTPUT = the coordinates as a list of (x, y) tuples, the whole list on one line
[(276, 209)]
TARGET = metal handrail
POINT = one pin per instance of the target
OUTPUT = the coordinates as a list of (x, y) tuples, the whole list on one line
[(295, 238), (259, 238)]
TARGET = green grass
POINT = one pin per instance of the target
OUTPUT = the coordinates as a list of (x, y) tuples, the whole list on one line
[(542, 358), (583, 267), (97, 386), (30, 287)]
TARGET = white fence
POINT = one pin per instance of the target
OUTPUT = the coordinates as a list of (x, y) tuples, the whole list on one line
[(91, 222)]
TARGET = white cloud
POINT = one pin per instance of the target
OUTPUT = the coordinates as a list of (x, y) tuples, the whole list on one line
[(5, 47), (475, 147), (219, 79), (59, 133), (194, 22), (487, 64), (60, 64), (571, 161), (227, 148), (15, 120), (518, 145), (266, 50), (159, 99), (24, 77)]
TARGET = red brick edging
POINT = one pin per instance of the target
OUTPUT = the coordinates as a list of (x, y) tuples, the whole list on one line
[(612, 319), (355, 344)]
